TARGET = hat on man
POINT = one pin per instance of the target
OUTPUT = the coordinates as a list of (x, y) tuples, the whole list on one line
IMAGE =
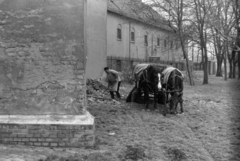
[(106, 68)]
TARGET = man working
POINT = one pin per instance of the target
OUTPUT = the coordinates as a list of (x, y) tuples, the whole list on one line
[(114, 81)]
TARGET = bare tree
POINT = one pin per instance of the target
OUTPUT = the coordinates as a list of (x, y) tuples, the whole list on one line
[(222, 22), (175, 12), (236, 9), (201, 13), (218, 50), (194, 16)]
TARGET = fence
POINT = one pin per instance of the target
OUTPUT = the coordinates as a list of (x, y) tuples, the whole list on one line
[(120, 64), (211, 67), (126, 65), (177, 64)]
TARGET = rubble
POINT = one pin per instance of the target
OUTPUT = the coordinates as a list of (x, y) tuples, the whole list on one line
[(97, 92), (96, 87)]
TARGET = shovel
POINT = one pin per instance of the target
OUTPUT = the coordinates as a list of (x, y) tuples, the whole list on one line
[(105, 90), (108, 88)]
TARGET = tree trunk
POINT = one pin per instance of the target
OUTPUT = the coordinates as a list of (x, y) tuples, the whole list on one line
[(225, 60), (225, 67), (189, 72), (205, 66), (219, 66), (238, 52), (190, 76), (238, 64), (205, 72), (230, 60), (230, 70), (234, 64), (188, 68), (234, 69)]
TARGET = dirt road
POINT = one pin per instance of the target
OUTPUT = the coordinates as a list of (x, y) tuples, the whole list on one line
[(209, 129)]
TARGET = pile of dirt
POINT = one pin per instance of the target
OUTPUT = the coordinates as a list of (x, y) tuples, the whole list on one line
[(95, 85), (97, 89), (97, 92)]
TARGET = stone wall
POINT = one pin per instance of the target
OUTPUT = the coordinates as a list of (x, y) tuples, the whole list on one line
[(41, 56)]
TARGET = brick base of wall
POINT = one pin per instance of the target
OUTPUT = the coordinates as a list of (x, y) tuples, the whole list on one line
[(60, 134)]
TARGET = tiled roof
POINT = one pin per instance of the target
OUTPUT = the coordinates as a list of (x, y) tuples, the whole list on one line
[(139, 11)]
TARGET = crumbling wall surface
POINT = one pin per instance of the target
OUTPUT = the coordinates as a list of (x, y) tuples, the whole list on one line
[(41, 56)]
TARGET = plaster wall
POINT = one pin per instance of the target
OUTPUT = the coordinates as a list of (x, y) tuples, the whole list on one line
[(117, 47), (96, 37)]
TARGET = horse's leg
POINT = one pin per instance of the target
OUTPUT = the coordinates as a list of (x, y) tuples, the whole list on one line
[(155, 99), (129, 97), (112, 94), (165, 104), (175, 109), (166, 97), (171, 108), (146, 98), (181, 104)]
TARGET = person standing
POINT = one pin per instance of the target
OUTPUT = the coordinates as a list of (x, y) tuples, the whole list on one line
[(114, 81)]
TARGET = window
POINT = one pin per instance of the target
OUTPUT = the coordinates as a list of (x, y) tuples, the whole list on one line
[(119, 32), (132, 35), (165, 43), (146, 39), (158, 41)]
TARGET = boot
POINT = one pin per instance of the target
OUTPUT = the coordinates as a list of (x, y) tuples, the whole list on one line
[(112, 95), (118, 94)]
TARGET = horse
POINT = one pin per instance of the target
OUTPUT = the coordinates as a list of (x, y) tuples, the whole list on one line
[(172, 80), (147, 79)]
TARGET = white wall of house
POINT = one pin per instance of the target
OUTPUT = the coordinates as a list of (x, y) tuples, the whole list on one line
[(95, 37), (117, 47), (138, 49)]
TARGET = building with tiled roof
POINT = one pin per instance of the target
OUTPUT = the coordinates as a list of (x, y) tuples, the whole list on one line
[(135, 9), (137, 33)]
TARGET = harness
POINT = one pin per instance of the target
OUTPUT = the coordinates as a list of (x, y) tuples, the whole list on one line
[(145, 80), (178, 91)]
